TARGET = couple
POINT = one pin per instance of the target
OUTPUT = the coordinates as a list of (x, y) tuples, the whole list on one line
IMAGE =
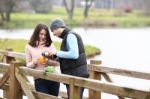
[(71, 57)]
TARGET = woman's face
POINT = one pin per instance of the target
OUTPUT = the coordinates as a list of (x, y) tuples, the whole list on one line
[(42, 35)]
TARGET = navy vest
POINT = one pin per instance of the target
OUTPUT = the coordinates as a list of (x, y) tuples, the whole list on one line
[(76, 67)]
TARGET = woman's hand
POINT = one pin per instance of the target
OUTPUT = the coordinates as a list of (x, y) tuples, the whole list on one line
[(42, 60), (35, 63)]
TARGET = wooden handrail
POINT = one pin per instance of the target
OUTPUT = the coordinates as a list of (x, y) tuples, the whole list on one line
[(106, 76), (77, 82), (105, 69), (123, 72), (88, 83), (45, 96), (4, 67), (12, 54)]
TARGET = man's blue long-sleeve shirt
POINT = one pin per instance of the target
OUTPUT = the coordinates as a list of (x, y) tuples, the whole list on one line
[(72, 46)]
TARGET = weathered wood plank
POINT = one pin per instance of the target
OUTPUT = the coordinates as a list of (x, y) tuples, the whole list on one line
[(97, 76), (4, 78), (74, 91), (112, 88), (89, 83), (118, 90), (40, 95), (4, 67), (107, 78), (64, 95), (24, 84), (2, 98), (5, 87), (15, 91), (123, 72), (93, 93), (8, 59), (96, 62), (44, 75), (13, 54), (99, 69)]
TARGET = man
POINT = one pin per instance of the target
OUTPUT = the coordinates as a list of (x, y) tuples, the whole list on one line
[(72, 55)]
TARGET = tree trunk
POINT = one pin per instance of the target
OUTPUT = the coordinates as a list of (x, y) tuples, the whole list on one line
[(69, 9), (8, 16), (146, 7), (86, 9), (87, 6), (9, 4), (2, 16)]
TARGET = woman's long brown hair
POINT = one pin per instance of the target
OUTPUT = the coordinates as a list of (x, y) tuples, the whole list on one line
[(35, 36)]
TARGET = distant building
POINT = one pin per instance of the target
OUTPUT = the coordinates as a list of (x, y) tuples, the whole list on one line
[(23, 6), (33, 6), (106, 4), (136, 4), (57, 2)]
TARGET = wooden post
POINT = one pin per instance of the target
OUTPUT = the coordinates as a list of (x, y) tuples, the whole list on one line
[(15, 91), (24, 83), (94, 75), (96, 62), (74, 91), (5, 77), (7, 59)]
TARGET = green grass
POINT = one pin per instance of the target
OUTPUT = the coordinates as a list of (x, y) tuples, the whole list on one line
[(97, 17), (19, 46)]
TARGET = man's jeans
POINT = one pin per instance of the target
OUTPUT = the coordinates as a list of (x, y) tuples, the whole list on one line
[(81, 91)]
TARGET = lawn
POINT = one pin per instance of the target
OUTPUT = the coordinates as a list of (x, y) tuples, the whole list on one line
[(19, 46), (97, 18)]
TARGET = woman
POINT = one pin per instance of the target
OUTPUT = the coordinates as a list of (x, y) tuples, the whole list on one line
[(40, 42)]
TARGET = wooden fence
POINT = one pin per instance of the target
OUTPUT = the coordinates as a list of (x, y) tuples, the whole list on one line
[(14, 80)]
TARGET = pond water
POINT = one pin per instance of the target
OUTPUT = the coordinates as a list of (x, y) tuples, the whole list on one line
[(121, 48)]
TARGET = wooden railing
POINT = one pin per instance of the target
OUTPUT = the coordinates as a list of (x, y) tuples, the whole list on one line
[(14, 81)]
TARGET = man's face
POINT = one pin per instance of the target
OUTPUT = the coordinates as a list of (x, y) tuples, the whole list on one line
[(57, 32)]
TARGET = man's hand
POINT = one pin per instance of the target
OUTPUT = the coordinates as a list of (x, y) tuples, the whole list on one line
[(52, 55)]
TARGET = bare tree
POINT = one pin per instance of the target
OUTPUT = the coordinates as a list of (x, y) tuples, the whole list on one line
[(88, 4), (6, 9), (41, 6), (69, 7), (146, 7), (2, 10), (9, 6)]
